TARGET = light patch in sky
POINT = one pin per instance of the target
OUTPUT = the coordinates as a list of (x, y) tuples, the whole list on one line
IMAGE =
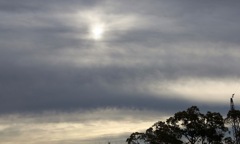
[(99, 22), (207, 91), (97, 31), (157, 55), (96, 126)]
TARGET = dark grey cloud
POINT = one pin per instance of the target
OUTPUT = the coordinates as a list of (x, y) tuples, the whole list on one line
[(38, 88), (202, 21), (168, 41), (15, 6)]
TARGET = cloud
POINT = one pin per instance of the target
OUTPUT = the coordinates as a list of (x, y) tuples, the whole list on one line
[(74, 127), (48, 62), (155, 56), (79, 126)]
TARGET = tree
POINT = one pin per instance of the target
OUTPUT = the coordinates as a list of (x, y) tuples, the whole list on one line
[(191, 122), (136, 138), (214, 129), (190, 127), (233, 118), (163, 133), (199, 128), (159, 133)]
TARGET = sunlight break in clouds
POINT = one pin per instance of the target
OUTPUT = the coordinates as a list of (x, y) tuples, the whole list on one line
[(100, 24), (143, 56), (97, 31)]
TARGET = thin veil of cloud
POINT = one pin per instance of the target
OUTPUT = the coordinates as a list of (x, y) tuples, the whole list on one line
[(153, 59)]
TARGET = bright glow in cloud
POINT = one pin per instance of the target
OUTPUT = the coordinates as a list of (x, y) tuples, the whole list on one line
[(98, 23), (145, 57), (97, 31)]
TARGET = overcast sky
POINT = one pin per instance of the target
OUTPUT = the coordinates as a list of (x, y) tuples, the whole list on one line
[(75, 71)]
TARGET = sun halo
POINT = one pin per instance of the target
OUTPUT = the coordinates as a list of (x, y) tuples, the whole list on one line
[(97, 32)]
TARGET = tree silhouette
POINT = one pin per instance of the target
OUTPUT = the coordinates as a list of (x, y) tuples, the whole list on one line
[(214, 129), (233, 118), (161, 132), (191, 122), (189, 127), (136, 138)]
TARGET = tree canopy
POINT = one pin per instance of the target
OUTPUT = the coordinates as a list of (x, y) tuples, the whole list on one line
[(190, 127)]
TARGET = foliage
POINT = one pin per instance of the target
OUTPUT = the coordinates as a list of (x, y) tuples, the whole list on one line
[(164, 133), (233, 118), (191, 122), (214, 129), (189, 127), (136, 138)]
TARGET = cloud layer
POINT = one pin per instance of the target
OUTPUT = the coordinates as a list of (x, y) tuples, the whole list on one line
[(154, 55)]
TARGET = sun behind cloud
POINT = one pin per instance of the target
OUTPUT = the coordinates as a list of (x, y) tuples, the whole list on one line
[(97, 31)]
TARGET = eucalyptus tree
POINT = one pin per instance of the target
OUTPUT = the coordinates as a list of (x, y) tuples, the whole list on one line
[(233, 118), (189, 127)]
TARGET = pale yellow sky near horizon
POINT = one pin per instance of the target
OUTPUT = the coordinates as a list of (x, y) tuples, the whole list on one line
[(83, 72)]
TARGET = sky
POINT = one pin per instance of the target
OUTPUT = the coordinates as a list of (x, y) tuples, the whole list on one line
[(89, 72)]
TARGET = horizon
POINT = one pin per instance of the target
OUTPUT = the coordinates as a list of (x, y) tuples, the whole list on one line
[(82, 72)]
